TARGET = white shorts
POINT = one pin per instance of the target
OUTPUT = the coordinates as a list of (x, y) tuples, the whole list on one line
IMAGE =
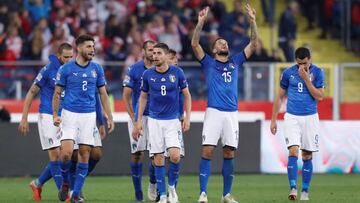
[(97, 139), (302, 131), (141, 144), (220, 124), (182, 146), (78, 127), (49, 134), (164, 134)]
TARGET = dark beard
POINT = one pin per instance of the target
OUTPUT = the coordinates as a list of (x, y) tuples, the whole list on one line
[(223, 53), (87, 57)]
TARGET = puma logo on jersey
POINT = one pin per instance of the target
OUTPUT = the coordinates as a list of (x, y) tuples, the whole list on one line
[(75, 74), (153, 79)]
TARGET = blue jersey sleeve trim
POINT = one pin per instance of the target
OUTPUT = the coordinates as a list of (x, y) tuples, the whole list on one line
[(131, 87), (60, 85)]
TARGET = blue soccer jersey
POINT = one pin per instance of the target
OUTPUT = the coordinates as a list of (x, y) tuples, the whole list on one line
[(45, 80), (99, 112), (133, 81), (222, 81), (164, 89), (80, 83), (300, 102)]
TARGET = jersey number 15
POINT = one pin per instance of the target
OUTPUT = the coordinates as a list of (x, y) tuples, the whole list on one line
[(227, 76)]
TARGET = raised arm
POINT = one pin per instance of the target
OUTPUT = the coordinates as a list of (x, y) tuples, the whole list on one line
[(104, 97), (55, 104), (250, 48), (24, 125), (275, 110), (198, 50)]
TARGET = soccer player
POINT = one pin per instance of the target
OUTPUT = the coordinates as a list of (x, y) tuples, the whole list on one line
[(131, 93), (304, 85), (79, 78), (221, 120), (49, 134), (163, 83)]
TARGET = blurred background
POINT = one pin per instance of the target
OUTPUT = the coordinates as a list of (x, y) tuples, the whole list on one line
[(32, 29)]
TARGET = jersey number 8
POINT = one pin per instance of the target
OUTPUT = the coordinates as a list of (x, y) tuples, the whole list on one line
[(163, 90)]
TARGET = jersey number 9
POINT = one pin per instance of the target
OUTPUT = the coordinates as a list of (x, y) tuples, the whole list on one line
[(300, 87)]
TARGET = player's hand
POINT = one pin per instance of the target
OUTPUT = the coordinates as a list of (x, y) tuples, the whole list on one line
[(136, 133), (203, 14), (102, 131), (251, 12), (24, 127), (57, 121), (185, 125), (273, 127), (110, 125), (303, 73)]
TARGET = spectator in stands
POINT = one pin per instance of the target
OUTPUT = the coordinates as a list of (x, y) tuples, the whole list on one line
[(134, 55), (38, 9), (171, 37), (116, 50), (217, 8), (288, 30), (275, 55), (13, 42), (45, 30), (268, 9), (260, 53), (308, 9), (36, 45), (4, 115), (355, 20)]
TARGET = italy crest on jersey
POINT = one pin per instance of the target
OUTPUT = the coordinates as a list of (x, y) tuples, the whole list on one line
[(172, 78), (231, 65), (311, 76), (93, 73)]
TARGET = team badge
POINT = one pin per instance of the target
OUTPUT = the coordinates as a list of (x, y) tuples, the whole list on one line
[(231, 65), (93, 73), (311, 76), (172, 78), (38, 77)]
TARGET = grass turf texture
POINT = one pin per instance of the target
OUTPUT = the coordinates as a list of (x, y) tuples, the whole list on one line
[(246, 188)]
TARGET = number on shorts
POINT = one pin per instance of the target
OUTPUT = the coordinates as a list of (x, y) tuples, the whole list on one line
[(163, 90)]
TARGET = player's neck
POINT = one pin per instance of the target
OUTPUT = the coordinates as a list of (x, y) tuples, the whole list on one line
[(81, 61), (222, 59), (162, 68), (147, 63)]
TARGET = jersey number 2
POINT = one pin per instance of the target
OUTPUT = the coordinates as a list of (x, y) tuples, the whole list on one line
[(227, 76), (163, 90), (84, 87)]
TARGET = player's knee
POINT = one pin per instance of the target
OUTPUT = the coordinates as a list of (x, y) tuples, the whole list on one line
[(294, 151), (137, 157), (228, 152), (306, 155), (207, 152), (66, 156), (159, 160), (96, 153), (175, 158)]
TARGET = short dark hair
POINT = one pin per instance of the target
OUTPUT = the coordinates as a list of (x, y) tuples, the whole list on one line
[(172, 52), (147, 42), (83, 38), (217, 39), (64, 46), (302, 52), (162, 46)]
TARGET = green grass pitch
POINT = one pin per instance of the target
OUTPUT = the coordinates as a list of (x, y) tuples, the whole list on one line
[(246, 189)]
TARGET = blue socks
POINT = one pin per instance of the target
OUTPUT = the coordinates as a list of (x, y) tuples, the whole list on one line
[(292, 171), (306, 174), (205, 172), (92, 164), (44, 176), (55, 170), (173, 174), (81, 173), (160, 179), (228, 174), (152, 173), (65, 170), (72, 174), (136, 173)]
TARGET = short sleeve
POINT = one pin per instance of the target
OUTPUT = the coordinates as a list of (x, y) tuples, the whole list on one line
[(101, 77), (239, 58), (145, 82), (61, 76), (206, 60), (182, 79), (284, 80), (40, 79), (319, 79), (129, 79)]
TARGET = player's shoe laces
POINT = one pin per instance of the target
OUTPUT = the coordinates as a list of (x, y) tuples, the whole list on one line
[(77, 200), (163, 199), (152, 193), (228, 199), (139, 196), (304, 196), (203, 198), (173, 197), (293, 194), (36, 191), (63, 192)]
